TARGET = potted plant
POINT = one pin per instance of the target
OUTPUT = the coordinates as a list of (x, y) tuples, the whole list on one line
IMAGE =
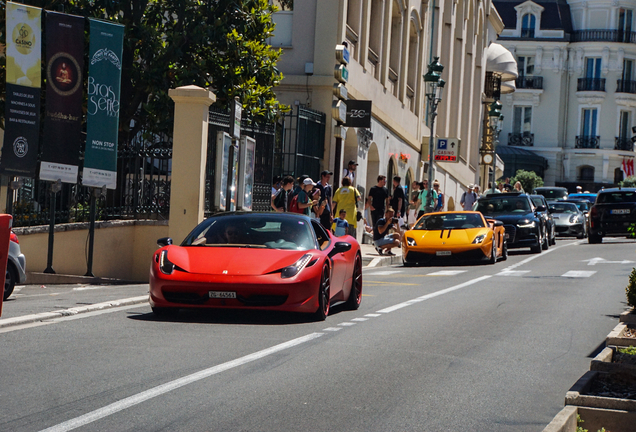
[(629, 316)]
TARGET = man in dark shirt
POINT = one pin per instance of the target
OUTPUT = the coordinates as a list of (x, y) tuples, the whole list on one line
[(398, 200), (378, 199), (383, 240), (282, 198), (326, 193)]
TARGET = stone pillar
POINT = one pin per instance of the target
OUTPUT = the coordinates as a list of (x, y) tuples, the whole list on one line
[(189, 157)]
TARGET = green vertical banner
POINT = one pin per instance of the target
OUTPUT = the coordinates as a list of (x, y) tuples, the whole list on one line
[(102, 123)]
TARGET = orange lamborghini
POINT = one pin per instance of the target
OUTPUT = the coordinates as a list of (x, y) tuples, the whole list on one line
[(454, 237)]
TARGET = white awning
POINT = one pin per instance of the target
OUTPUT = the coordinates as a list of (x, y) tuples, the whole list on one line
[(508, 87), (501, 61)]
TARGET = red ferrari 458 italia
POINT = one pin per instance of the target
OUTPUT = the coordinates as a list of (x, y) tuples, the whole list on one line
[(273, 261)]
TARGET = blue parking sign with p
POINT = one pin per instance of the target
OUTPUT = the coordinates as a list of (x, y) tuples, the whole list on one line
[(442, 144)]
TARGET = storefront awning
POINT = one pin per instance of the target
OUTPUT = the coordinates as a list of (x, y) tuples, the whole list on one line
[(508, 87), (501, 61), (516, 158)]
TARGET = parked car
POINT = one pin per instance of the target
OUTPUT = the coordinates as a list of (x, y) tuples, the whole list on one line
[(551, 193), (584, 206), (591, 197), (269, 261), (16, 267), (569, 220), (456, 236), (539, 201), (522, 221), (613, 212)]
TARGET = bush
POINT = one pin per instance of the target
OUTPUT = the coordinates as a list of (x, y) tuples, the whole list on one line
[(630, 290), (628, 182), (528, 179)]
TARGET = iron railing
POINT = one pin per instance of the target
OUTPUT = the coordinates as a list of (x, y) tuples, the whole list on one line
[(623, 143), (591, 142), (603, 35), (625, 86), (591, 84), (529, 82), (523, 139)]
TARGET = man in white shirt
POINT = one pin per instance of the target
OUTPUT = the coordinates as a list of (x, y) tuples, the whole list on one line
[(468, 198)]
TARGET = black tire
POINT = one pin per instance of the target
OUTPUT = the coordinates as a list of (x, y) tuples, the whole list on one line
[(536, 249), (504, 251), (493, 253), (355, 296), (553, 238), (594, 239), (546, 243), (163, 312), (323, 294), (581, 235), (10, 280)]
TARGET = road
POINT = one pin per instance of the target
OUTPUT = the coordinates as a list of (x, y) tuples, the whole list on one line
[(431, 349)]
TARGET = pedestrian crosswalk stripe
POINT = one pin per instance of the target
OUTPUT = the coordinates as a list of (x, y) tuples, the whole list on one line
[(372, 315), (332, 329), (512, 273), (360, 319), (346, 324), (578, 274), (447, 273)]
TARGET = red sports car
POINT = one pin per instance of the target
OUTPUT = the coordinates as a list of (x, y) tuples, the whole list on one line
[(273, 261)]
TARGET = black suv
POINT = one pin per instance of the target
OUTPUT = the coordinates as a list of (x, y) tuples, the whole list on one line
[(539, 201), (523, 223), (612, 214)]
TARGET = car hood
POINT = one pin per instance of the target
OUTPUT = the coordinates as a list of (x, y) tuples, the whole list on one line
[(512, 219), (447, 237), (232, 261)]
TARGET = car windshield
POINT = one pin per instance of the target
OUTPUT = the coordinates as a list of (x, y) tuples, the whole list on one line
[(537, 201), (564, 208), (616, 197), (556, 193), (503, 205), (442, 221), (254, 230), (582, 205)]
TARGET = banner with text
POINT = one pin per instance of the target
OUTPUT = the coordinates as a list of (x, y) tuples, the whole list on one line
[(104, 81), (61, 142), (23, 79)]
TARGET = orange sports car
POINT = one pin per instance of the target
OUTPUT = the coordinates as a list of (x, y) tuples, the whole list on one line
[(453, 237)]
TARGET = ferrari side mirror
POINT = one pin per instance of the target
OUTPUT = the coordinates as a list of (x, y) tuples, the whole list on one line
[(164, 241), (340, 247)]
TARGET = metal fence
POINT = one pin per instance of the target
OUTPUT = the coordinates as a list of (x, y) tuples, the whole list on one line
[(301, 144)]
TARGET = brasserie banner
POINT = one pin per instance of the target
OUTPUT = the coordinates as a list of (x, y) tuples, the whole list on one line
[(61, 142), (104, 81), (23, 81)]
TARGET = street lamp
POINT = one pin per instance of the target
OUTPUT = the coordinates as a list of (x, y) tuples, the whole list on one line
[(434, 89), (495, 120)]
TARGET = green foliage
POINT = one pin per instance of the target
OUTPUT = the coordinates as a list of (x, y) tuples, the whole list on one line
[(219, 44), (528, 179), (628, 182), (580, 428), (630, 350), (630, 290)]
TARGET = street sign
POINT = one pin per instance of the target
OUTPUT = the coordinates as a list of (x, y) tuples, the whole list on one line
[(359, 113), (447, 150), (341, 73), (342, 54), (339, 111), (340, 91), (235, 125)]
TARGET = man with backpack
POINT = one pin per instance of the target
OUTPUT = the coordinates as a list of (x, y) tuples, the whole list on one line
[(468, 198), (282, 199)]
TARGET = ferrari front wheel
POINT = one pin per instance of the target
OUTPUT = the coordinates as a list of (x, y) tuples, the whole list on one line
[(355, 296), (323, 294)]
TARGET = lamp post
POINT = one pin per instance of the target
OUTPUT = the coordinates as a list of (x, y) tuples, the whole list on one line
[(434, 89), (495, 121)]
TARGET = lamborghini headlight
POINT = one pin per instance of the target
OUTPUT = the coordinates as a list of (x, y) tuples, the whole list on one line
[(526, 224), (411, 241), (479, 239), (165, 265), (294, 269)]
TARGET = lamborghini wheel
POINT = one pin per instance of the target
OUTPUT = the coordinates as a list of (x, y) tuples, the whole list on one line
[(355, 296), (323, 294), (504, 251), (493, 253)]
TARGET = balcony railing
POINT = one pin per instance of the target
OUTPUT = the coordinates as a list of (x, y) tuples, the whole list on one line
[(529, 82), (523, 139), (591, 142), (591, 84), (623, 86), (600, 35), (623, 143)]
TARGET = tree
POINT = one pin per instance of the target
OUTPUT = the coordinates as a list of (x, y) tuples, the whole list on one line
[(216, 44), (528, 179)]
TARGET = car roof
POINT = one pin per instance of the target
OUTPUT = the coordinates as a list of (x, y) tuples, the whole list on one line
[(613, 190), (550, 188), (505, 194)]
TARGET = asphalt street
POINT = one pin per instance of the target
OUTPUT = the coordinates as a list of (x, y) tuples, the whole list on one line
[(454, 348)]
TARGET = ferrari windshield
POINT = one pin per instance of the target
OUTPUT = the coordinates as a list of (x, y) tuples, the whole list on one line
[(503, 205), (443, 221), (253, 230), (564, 208)]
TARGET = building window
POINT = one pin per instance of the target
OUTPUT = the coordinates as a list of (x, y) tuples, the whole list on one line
[(586, 173), (593, 67), (522, 120), (528, 23), (624, 124), (284, 22), (624, 25), (525, 66), (589, 122), (628, 70)]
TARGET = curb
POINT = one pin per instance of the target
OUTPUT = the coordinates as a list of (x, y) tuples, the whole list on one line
[(28, 319), (38, 278), (382, 261)]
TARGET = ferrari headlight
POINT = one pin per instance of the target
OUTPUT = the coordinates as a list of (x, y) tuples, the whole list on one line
[(411, 241), (165, 265), (574, 218), (526, 224), (479, 239), (295, 268)]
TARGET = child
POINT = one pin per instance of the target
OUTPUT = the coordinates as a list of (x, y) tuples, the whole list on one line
[(341, 224)]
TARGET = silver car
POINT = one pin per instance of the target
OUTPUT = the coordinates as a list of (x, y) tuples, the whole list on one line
[(568, 219), (16, 267)]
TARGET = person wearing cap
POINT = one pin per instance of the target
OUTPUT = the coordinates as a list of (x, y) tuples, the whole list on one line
[(304, 201), (468, 198), (346, 198), (350, 171), (326, 194), (299, 185), (276, 184), (579, 189)]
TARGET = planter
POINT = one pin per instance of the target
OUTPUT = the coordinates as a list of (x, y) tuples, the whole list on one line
[(617, 336), (579, 394), (593, 419), (605, 362), (628, 317)]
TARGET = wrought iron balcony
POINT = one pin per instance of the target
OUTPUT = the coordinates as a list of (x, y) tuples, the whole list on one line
[(623, 143), (591, 142), (591, 84), (601, 35), (623, 86), (523, 139), (529, 82)]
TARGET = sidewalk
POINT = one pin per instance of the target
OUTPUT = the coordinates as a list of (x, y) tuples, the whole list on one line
[(371, 258)]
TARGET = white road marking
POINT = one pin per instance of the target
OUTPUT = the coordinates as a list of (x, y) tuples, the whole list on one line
[(347, 324), (332, 329), (384, 272), (527, 260), (512, 273), (372, 315), (360, 319), (173, 385), (578, 274), (594, 261), (447, 273), (435, 294)]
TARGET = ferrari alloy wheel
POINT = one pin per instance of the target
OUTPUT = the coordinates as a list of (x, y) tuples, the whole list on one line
[(323, 294), (355, 296)]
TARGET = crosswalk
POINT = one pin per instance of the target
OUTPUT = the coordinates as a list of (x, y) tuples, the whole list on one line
[(505, 273)]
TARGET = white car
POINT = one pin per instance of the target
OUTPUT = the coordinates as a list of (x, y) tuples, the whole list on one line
[(16, 267)]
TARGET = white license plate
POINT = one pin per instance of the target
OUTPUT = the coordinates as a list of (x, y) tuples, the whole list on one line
[(620, 211), (443, 253), (222, 294)]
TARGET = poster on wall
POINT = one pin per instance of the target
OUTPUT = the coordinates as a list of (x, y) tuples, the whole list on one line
[(61, 143), (221, 178), (102, 117), (23, 82), (247, 158)]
